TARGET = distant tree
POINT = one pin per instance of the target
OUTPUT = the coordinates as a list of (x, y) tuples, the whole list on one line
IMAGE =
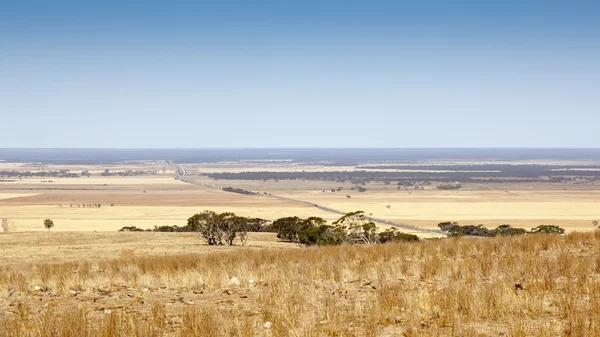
[(393, 235), (289, 228), (245, 225), (130, 229), (360, 229), (207, 224), (48, 224), (507, 230), (548, 229)]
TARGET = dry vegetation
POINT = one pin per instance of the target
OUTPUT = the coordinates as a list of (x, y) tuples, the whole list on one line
[(535, 285)]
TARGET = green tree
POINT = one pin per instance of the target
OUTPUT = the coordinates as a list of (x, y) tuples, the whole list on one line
[(547, 229), (507, 230), (208, 224), (360, 229), (394, 235), (48, 224)]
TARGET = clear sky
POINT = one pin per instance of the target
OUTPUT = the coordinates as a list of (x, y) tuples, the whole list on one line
[(423, 73)]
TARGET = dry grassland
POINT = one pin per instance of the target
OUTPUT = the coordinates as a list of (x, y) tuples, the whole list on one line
[(535, 285)]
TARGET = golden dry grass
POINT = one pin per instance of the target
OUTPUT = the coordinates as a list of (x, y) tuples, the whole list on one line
[(536, 285)]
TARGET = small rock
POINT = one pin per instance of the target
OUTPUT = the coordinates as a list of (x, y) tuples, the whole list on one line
[(37, 288), (73, 292), (13, 293), (186, 300), (268, 325), (198, 291), (107, 311), (250, 282), (234, 282), (145, 289)]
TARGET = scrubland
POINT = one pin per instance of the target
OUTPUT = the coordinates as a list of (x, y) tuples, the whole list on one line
[(534, 285)]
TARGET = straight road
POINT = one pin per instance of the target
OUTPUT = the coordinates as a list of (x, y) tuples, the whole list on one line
[(184, 172)]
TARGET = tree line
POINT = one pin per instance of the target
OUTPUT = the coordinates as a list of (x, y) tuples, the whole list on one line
[(455, 230), (238, 190), (219, 229), (411, 174)]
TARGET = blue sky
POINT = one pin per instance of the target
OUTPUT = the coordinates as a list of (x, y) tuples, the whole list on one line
[(299, 73)]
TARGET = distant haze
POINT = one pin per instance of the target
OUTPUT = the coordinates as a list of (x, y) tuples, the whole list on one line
[(316, 74), (349, 157)]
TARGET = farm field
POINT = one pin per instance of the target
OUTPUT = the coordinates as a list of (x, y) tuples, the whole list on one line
[(572, 210), (146, 201), (84, 278)]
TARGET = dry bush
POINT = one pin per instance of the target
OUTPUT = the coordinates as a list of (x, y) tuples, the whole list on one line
[(536, 285)]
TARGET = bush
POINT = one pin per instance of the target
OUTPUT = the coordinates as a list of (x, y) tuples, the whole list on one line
[(547, 229), (131, 229), (393, 235), (455, 186), (352, 228), (507, 230), (454, 230)]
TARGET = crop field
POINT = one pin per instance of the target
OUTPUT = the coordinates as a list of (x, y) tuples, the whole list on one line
[(572, 210), (159, 199)]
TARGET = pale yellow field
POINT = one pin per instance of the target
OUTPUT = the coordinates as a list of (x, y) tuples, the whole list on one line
[(148, 201), (30, 218), (14, 195), (573, 210)]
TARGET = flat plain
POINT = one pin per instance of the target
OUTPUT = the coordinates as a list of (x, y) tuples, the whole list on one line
[(83, 278), (160, 199)]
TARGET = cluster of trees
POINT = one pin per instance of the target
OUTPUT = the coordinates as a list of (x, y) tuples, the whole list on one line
[(359, 188), (409, 174), (84, 205), (216, 228), (238, 190), (42, 174), (455, 230), (227, 228), (128, 173), (352, 228), (224, 228), (450, 186)]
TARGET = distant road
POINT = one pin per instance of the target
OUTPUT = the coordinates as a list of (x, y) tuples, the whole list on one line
[(184, 172)]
